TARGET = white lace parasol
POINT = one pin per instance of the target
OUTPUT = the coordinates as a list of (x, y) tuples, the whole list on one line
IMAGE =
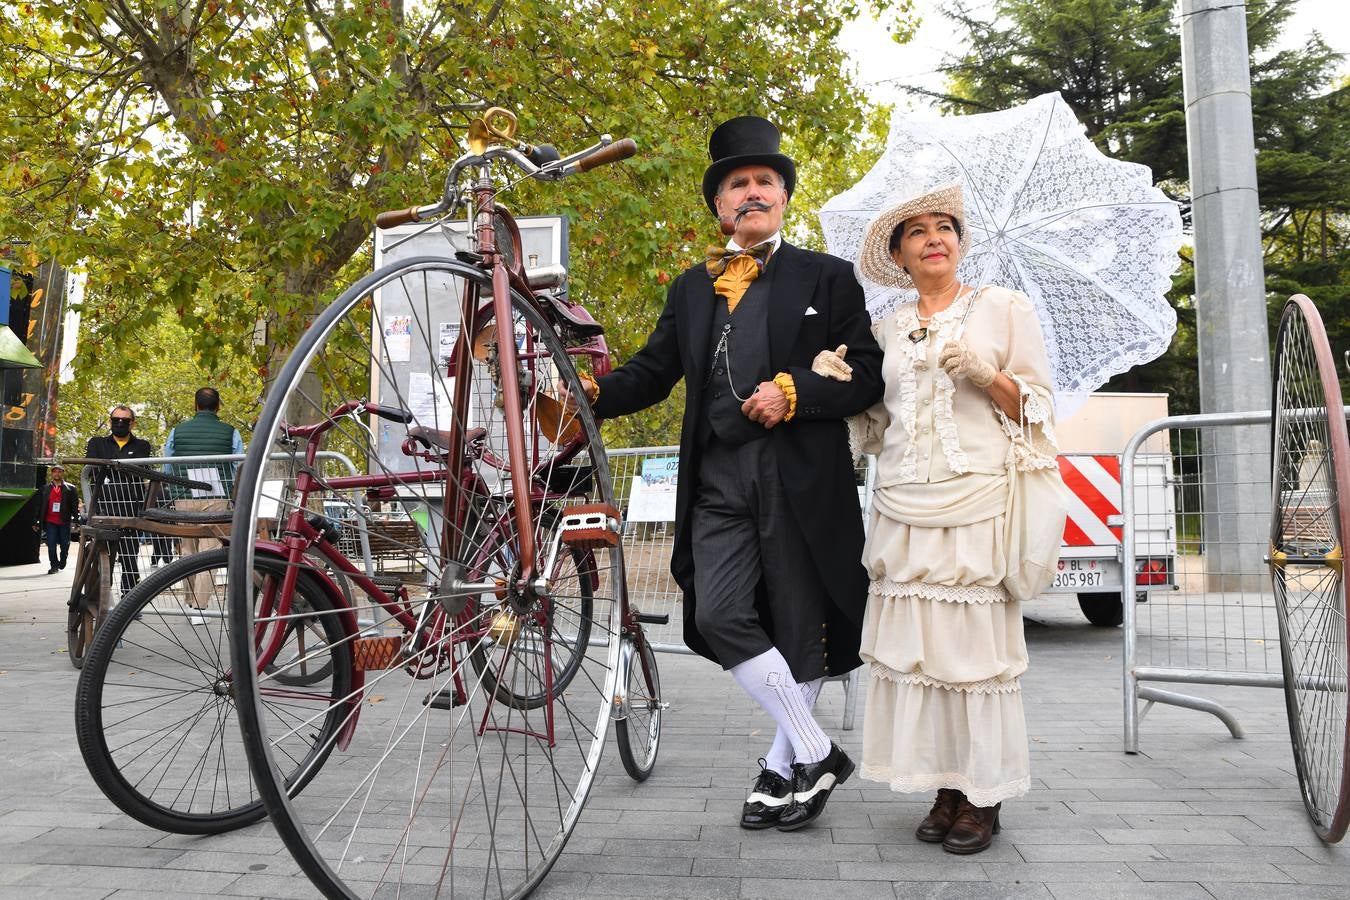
[(1088, 238)]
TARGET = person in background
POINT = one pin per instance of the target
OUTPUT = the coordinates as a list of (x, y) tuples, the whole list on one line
[(120, 494), (203, 435), (57, 504)]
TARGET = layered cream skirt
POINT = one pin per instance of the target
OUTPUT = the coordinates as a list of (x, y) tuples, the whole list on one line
[(944, 644)]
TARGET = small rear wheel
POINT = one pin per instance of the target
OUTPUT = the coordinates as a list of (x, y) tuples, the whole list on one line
[(1102, 610), (559, 632), (639, 733)]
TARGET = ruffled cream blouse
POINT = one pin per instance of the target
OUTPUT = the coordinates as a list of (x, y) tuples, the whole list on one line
[(927, 428)]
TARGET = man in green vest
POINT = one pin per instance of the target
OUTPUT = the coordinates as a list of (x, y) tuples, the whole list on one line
[(204, 435)]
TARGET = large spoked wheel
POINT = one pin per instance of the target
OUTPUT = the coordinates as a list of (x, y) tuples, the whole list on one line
[(1311, 463), (155, 705), (639, 733), (460, 780)]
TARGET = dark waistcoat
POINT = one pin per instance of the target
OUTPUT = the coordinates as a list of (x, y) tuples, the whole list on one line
[(745, 357)]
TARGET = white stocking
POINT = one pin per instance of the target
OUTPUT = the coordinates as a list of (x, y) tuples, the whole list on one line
[(779, 757), (769, 682)]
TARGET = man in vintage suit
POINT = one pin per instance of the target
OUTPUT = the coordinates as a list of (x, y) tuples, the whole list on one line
[(768, 532)]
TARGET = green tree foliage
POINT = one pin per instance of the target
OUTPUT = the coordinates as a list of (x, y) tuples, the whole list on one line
[(219, 162), (1118, 65), (157, 380)]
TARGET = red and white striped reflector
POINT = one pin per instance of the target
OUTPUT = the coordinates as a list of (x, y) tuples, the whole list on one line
[(1094, 489)]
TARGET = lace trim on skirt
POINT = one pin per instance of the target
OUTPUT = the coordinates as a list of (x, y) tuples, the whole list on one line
[(915, 784), (987, 686), (946, 593)]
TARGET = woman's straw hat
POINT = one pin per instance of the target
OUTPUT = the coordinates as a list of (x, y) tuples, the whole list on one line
[(874, 260)]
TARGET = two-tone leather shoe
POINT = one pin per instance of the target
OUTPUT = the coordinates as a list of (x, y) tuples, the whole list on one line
[(812, 784), (768, 798), (973, 830), (933, 829)]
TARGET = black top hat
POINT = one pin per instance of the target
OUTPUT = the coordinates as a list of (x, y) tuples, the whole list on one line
[(745, 141)]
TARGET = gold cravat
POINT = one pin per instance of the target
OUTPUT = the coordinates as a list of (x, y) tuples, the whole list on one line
[(734, 281)]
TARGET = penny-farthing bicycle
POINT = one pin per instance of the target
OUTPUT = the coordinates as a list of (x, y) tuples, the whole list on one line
[(1310, 520), (479, 679)]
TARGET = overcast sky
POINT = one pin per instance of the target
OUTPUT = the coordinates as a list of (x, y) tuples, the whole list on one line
[(880, 62)]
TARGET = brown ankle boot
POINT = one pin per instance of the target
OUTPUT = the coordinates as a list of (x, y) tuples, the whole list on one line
[(973, 830), (939, 821)]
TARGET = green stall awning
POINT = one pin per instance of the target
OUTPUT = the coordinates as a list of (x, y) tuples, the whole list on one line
[(13, 354)]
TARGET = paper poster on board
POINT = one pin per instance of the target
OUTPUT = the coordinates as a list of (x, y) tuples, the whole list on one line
[(430, 400), (207, 475), (418, 322), (652, 494), (445, 348), (398, 338)]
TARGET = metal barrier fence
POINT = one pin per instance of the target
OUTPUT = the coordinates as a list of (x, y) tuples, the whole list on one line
[(388, 540), (648, 508), (1219, 624), (644, 487)]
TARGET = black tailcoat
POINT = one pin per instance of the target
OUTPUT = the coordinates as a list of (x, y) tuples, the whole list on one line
[(816, 304)]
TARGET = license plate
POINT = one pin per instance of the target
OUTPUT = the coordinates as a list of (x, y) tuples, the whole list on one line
[(1077, 574)]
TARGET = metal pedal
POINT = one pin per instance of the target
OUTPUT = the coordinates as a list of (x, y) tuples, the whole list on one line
[(445, 698), (388, 583), (590, 526)]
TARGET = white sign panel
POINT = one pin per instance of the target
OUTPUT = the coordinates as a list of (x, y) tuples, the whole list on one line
[(651, 496)]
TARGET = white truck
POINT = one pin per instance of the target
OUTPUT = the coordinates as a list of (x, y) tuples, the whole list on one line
[(1090, 444)]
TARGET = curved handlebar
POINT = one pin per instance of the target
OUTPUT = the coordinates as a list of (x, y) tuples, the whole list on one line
[(392, 413), (392, 217), (606, 155), (536, 162), (313, 431)]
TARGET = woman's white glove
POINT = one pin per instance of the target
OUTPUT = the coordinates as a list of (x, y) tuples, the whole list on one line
[(959, 361), (830, 363)]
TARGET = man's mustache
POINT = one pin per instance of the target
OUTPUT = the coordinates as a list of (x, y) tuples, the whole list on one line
[(730, 223), (750, 206)]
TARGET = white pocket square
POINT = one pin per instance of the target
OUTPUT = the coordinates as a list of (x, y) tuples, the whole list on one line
[(810, 311)]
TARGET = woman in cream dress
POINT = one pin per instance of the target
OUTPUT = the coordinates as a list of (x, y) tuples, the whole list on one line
[(967, 407)]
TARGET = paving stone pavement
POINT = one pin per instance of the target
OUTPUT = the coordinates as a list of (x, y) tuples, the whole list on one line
[(1197, 814)]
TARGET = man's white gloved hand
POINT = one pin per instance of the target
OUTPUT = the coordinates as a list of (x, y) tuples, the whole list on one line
[(830, 363), (960, 362)]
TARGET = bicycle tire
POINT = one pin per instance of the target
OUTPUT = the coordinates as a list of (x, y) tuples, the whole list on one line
[(82, 607), (502, 818), (1309, 524), (138, 734), (638, 734), (79, 633)]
